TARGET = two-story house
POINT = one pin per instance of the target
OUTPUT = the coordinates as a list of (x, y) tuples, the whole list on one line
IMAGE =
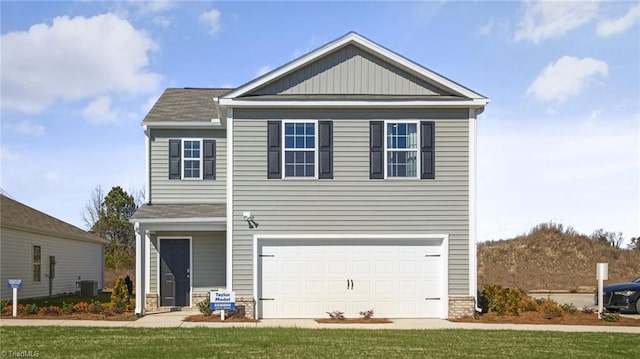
[(342, 180)]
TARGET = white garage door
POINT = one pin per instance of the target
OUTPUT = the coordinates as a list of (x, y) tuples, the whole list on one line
[(306, 279)]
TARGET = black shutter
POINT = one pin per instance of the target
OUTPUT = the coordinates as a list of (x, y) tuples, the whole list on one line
[(174, 159), (274, 149), (376, 147), (325, 149), (427, 150), (209, 159)]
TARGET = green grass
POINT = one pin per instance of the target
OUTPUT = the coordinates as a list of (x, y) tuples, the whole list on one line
[(59, 299), (62, 342)]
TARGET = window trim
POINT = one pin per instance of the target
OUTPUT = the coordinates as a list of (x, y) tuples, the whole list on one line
[(39, 264), (417, 149), (284, 149), (182, 159)]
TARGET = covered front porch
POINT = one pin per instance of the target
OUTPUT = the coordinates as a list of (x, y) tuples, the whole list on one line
[(181, 254)]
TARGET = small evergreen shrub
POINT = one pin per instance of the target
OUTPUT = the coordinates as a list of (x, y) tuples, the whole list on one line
[(120, 296), (367, 314), (205, 307), (96, 307), (336, 314), (67, 308), (569, 308), (8, 310), (503, 300), (610, 317), (586, 309), (30, 309), (81, 307), (550, 309), (3, 306)]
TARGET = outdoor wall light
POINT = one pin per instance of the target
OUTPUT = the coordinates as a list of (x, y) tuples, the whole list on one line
[(247, 216)]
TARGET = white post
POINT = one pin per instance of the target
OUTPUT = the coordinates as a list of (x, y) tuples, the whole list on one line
[(222, 315), (602, 274), (140, 269), (15, 301)]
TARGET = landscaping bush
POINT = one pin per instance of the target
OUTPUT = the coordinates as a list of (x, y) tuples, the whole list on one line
[(610, 317), (96, 307), (67, 308), (8, 310), (50, 310), (586, 309), (367, 314), (569, 308), (81, 307), (120, 296), (3, 306), (336, 314), (205, 307), (549, 309), (30, 309), (506, 300)]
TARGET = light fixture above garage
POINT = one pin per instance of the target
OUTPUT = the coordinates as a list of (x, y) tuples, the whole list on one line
[(247, 216)]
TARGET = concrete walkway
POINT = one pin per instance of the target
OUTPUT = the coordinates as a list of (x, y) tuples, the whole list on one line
[(175, 319)]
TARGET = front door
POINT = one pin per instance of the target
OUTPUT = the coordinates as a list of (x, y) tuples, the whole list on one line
[(174, 272)]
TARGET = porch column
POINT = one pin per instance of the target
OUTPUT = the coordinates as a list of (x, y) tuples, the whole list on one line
[(140, 269)]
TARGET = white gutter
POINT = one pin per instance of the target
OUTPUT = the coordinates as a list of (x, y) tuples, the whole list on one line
[(212, 220), (471, 103), (215, 122)]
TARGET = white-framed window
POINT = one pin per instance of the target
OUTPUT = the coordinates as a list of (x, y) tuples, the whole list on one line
[(401, 149), (37, 263), (191, 159), (300, 150)]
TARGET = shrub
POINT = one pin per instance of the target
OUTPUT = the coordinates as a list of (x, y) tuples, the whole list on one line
[(549, 309), (30, 309), (336, 314), (120, 295), (586, 309), (50, 310), (3, 306), (367, 314), (8, 310), (610, 317), (96, 307), (506, 300), (67, 308), (81, 307), (569, 308), (205, 307)]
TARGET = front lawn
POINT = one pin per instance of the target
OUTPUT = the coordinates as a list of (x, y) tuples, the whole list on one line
[(51, 342)]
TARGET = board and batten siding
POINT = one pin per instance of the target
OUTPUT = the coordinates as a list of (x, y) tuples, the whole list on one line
[(75, 260), (209, 261), (351, 203), (163, 190), (349, 70)]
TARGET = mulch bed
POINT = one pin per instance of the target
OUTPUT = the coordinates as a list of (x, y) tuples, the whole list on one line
[(215, 318), (578, 318), (83, 316), (353, 321)]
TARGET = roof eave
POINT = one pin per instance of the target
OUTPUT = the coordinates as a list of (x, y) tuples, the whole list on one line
[(470, 103)]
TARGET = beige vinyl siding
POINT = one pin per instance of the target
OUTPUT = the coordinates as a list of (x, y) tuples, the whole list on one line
[(164, 190), (351, 203), (208, 250), (75, 260), (349, 70)]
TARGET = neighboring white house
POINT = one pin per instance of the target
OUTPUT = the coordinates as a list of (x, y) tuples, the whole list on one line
[(49, 255)]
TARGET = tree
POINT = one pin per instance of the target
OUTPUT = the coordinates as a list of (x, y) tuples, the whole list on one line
[(110, 216), (635, 244), (611, 238)]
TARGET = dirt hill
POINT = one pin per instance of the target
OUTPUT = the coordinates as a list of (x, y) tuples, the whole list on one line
[(552, 259)]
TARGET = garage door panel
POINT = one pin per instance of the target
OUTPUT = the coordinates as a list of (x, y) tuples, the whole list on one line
[(306, 280)]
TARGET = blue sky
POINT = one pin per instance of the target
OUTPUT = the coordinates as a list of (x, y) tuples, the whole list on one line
[(558, 142)]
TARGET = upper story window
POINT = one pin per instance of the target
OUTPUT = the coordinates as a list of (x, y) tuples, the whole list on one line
[(300, 149), (401, 149), (192, 159)]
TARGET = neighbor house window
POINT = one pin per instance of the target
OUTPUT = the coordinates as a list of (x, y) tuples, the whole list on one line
[(300, 149), (401, 149), (192, 159), (37, 268)]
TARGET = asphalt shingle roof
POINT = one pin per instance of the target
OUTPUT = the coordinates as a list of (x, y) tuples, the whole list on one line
[(200, 210), (185, 104), (16, 215)]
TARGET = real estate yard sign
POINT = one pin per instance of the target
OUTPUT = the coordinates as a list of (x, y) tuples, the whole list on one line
[(223, 300)]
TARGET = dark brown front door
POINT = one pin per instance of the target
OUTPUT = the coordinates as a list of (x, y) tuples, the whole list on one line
[(174, 272)]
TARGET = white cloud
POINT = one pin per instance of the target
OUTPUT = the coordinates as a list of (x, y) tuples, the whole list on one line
[(487, 29), (73, 59), (162, 20), (8, 155), (610, 27), (26, 127), (155, 6), (100, 111), (548, 19), (566, 77), (211, 20), (263, 70)]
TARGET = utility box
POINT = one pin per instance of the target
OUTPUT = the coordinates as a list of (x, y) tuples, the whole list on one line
[(88, 288)]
